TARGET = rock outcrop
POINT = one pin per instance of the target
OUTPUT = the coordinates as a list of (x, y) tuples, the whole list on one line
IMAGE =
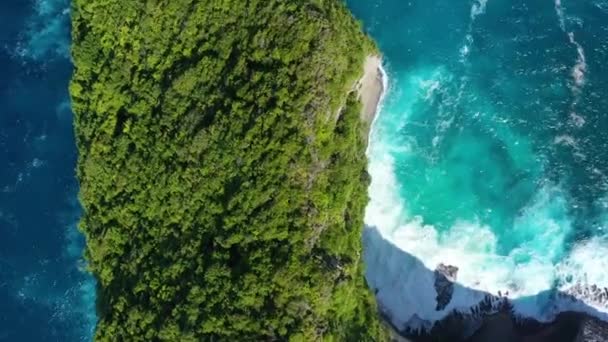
[(445, 276)]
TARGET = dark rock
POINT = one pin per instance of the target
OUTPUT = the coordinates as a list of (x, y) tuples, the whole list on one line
[(497, 328), (503, 326), (592, 330), (445, 276), (449, 271)]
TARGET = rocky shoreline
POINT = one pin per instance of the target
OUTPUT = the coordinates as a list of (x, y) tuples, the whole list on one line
[(505, 326), (493, 319)]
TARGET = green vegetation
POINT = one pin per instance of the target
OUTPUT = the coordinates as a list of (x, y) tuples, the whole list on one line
[(222, 169)]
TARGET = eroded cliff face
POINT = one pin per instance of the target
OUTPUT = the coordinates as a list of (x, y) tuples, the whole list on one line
[(223, 198)]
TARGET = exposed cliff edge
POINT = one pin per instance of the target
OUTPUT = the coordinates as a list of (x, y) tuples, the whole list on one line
[(223, 197), (493, 318)]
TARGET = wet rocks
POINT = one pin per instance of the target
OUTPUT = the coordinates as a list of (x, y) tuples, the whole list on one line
[(592, 330), (445, 276), (590, 293)]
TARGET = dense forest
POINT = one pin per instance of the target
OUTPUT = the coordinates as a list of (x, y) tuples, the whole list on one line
[(222, 169)]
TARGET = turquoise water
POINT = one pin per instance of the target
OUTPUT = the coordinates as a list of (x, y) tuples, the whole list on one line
[(490, 153), (491, 148), (45, 293)]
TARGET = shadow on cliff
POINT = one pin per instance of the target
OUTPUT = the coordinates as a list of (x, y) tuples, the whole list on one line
[(437, 293)]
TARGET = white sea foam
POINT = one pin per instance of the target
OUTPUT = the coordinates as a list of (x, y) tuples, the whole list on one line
[(477, 8), (405, 286), (401, 251), (75, 303), (47, 32), (565, 140), (580, 68), (401, 274), (585, 264), (560, 14), (577, 120), (578, 71), (602, 5), (465, 50)]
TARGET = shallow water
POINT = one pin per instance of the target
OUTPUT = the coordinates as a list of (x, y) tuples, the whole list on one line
[(44, 294), (491, 150)]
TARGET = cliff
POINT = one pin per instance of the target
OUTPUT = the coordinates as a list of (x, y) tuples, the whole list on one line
[(222, 168)]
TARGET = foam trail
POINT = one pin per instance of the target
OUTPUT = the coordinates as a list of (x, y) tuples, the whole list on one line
[(477, 8), (579, 70), (560, 14)]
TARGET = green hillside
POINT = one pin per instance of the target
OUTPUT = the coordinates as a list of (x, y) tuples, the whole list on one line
[(222, 169)]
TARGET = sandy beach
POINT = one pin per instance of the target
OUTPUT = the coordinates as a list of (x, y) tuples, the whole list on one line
[(371, 88)]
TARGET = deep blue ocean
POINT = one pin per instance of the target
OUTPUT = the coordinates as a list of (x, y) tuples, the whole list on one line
[(490, 153), (44, 293)]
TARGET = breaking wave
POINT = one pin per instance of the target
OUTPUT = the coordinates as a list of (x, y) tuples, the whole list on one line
[(472, 165)]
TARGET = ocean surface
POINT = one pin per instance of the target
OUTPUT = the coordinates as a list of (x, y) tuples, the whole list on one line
[(44, 293), (490, 153)]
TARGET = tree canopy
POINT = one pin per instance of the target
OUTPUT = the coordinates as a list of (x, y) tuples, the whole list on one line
[(222, 169)]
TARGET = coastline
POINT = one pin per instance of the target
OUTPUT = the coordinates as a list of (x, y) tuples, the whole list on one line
[(372, 88), (501, 323)]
